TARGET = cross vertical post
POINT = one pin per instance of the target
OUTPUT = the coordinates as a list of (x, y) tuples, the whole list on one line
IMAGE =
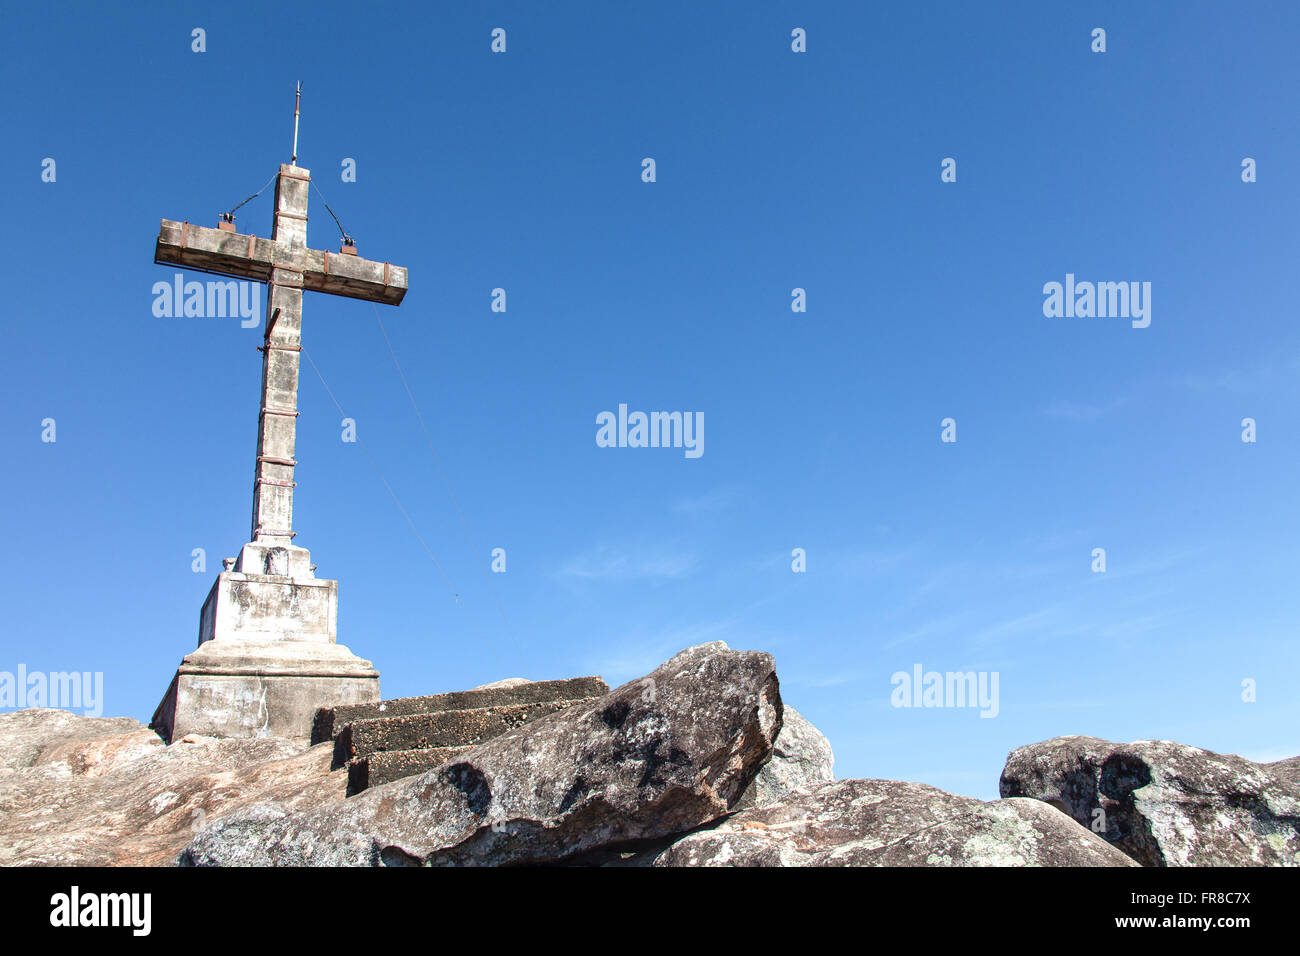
[(277, 422)]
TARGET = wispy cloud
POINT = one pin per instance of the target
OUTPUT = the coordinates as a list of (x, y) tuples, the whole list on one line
[(1083, 411), (1042, 624), (1264, 374), (719, 499), (607, 563)]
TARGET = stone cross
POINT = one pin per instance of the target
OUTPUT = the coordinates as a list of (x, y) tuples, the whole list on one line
[(286, 264), (268, 658)]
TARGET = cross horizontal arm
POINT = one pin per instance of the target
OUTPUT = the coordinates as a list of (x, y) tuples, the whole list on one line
[(249, 257)]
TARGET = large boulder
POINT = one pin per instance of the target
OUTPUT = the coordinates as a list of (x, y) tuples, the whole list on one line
[(658, 756), (802, 761), (889, 823), (81, 791), (1164, 803)]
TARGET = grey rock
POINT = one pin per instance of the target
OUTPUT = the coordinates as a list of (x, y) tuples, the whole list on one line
[(802, 760), (890, 823), (504, 684), (657, 756), (1013, 832), (1165, 803)]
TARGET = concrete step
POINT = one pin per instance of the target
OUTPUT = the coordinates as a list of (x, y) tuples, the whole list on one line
[(330, 722), (446, 728), (389, 765)]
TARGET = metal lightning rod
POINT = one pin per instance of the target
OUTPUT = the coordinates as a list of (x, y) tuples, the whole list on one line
[(297, 98)]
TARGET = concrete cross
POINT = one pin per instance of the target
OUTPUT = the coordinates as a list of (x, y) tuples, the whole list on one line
[(287, 266)]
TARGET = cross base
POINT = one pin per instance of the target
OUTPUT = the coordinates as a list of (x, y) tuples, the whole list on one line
[(255, 689), (267, 658)]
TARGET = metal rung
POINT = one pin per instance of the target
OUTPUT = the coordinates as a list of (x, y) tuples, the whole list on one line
[(278, 461)]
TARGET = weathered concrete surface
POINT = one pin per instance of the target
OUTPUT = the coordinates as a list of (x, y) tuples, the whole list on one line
[(201, 247), (230, 688), (261, 607), (499, 694), (1165, 803), (660, 755), (446, 728), (80, 791), (802, 761), (890, 823), (379, 750), (386, 766)]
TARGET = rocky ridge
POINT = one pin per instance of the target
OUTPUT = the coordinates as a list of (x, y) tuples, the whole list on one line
[(699, 763)]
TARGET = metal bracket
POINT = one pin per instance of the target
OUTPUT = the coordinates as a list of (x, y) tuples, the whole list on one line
[(266, 336)]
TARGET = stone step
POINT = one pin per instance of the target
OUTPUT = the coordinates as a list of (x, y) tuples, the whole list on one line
[(330, 721), (389, 765), (446, 728)]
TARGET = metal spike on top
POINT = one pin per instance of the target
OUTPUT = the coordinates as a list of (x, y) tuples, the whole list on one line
[(297, 98)]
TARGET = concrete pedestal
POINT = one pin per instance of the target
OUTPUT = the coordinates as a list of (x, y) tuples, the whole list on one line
[(267, 657)]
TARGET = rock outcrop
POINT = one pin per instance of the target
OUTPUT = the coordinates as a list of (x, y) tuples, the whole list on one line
[(1164, 803), (697, 764), (81, 791), (658, 756), (802, 761), (889, 823), (40, 737)]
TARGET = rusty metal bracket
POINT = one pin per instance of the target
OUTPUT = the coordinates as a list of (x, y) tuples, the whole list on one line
[(277, 461), (266, 336)]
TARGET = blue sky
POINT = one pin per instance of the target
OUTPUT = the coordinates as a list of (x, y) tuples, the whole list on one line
[(775, 170)]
